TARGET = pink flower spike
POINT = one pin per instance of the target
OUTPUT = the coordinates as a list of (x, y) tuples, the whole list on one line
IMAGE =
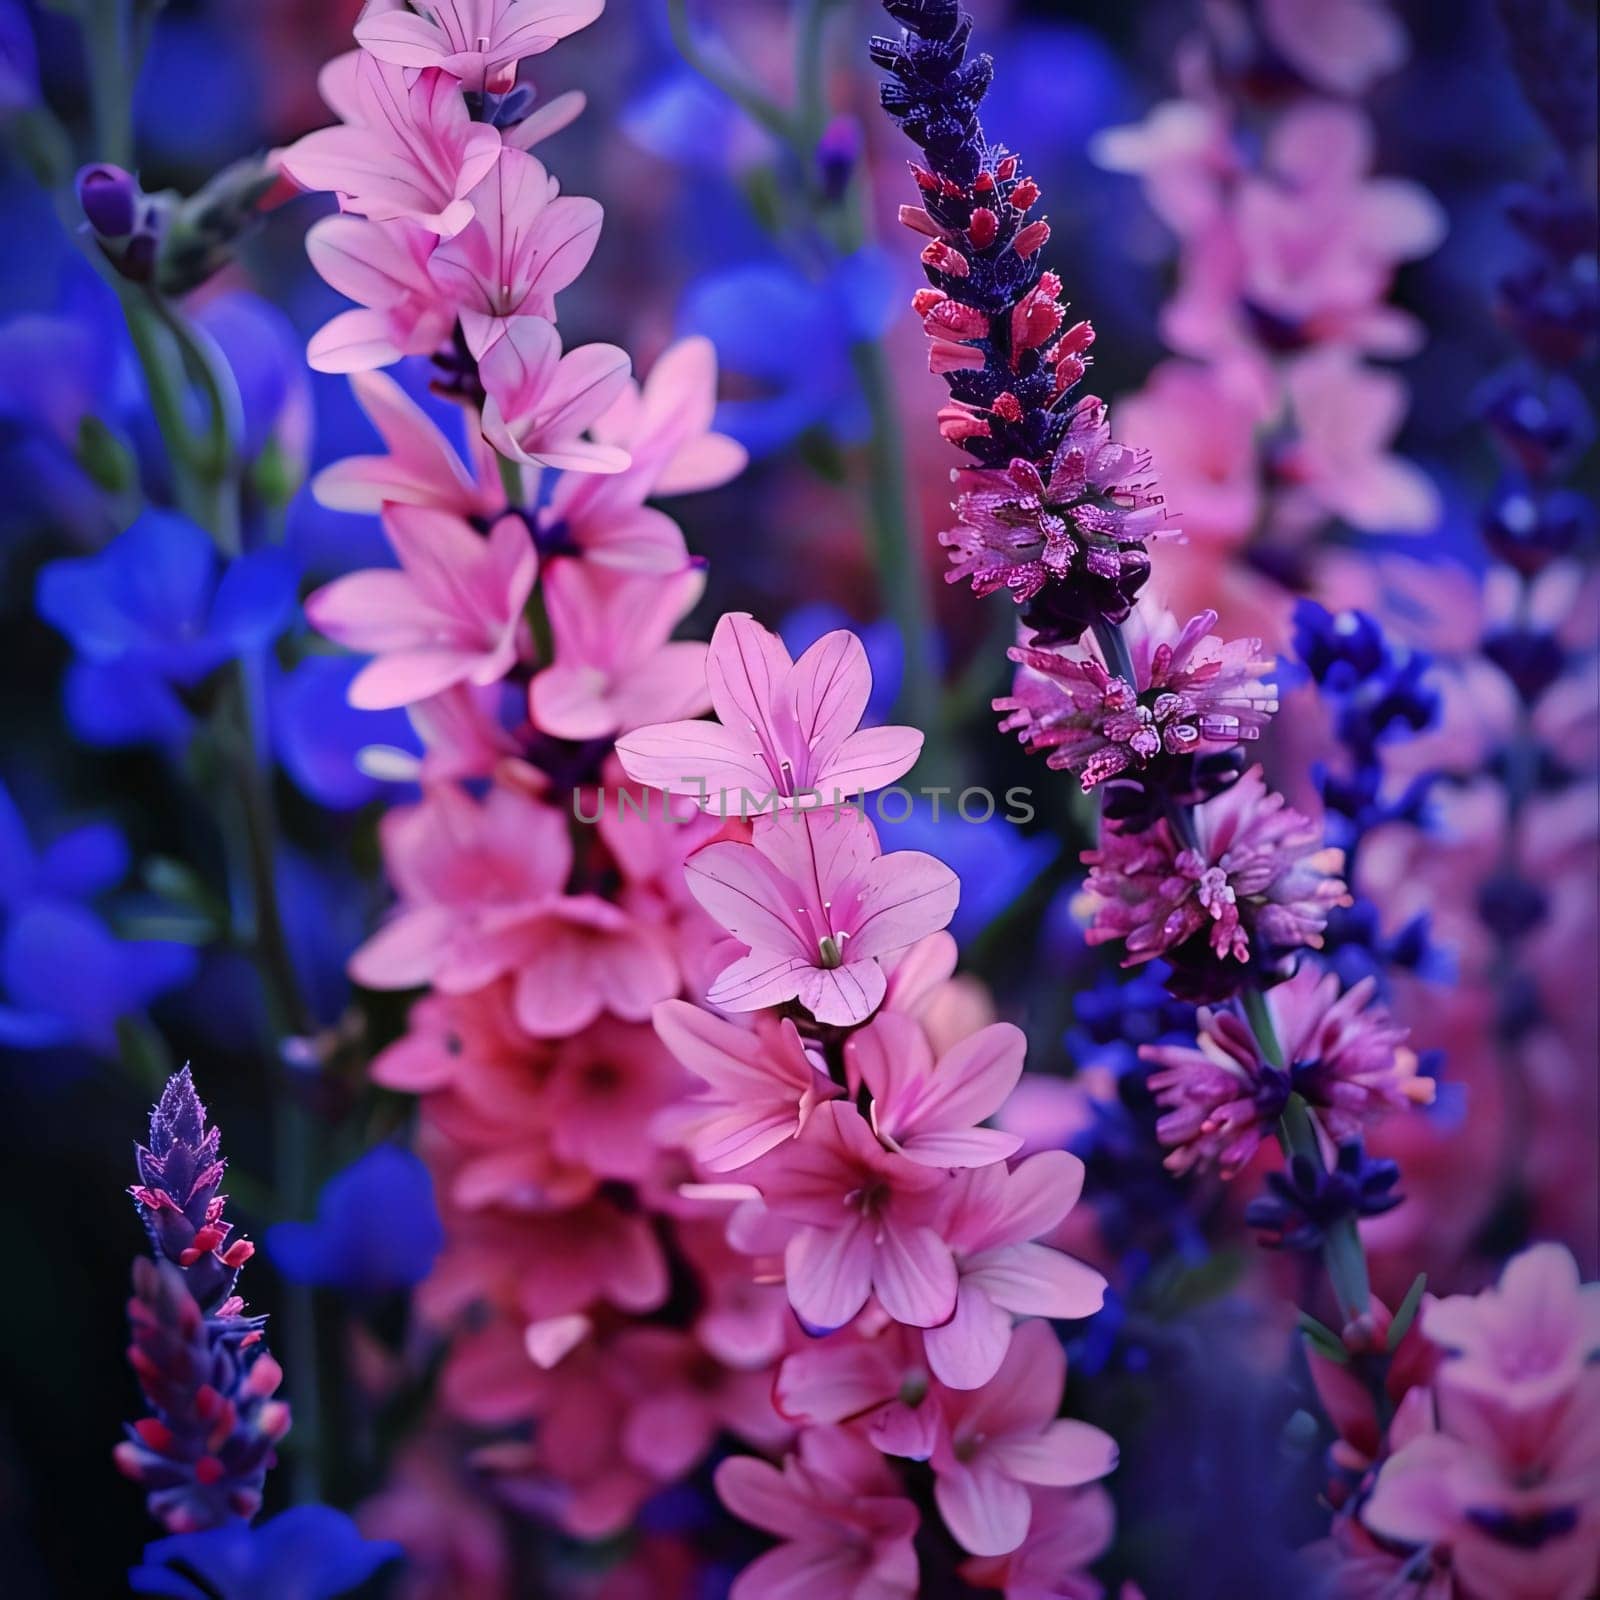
[(452, 614), (818, 904), (1005, 1436), (526, 242), (383, 266), (993, 1228), (615, 666), (478, 42), (420, 469), (408, 149), (759, 1085), (866, 1220), (927, 1111), (540, 402), (788, 731)]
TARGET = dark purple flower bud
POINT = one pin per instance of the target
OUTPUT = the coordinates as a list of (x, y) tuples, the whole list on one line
[(838, 151), (1530, 657), (1304, 1203), (1528, 530), (111, 199)]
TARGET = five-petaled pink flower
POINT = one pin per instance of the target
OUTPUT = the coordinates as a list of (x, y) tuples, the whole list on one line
[(1001, 1438), (788, 731), (867, 1224), (407, 146), (540, 402), (818, 905), (929, 1110), (478, 42), (452, 614), (526, 242)]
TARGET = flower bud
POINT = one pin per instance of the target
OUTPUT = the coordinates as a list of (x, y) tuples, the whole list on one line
[(110, 198)]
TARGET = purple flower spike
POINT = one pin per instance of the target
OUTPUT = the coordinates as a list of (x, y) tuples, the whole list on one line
[(180, 1172)]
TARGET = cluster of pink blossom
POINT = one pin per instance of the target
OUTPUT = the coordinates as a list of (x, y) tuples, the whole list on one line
[(701, 1097), (1270, 420), (1471, 1472)]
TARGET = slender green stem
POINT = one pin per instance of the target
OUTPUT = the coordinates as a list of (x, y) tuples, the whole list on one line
[(108, 42), (721, 75)]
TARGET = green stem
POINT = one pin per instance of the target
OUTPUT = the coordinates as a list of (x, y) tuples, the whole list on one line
[(108, 42), (721, 75)]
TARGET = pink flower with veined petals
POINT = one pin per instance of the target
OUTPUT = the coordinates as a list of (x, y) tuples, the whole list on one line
[(846, 1528), (421, 468), (760, 1086), (1190, 692), (1004, 1437), (994, 1226), (400, 309), (526, 242), (452, 614), (927, 1110), (408, 146), (866, 1224), (788, 731), (818, 904), (479, 42), (665, 426), (616, 667), (540, 401)]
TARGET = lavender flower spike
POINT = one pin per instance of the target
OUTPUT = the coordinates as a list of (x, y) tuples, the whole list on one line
[(180, 1172)]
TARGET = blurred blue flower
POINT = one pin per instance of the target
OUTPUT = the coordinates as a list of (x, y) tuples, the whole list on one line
[(881, 639), (19, 60), (267, 357), (65, 977), (681, 118), (995, 860), (790, 339), (310, 1553), (377, 1228), (152, 614), (319, 734)]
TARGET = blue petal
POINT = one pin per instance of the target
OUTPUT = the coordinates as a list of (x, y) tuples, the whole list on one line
[(377, 1228), (163, 571), (122, 705), (255, 600), (318, 733), (865, 284), (267, 357), (19, 60), (85, 862)]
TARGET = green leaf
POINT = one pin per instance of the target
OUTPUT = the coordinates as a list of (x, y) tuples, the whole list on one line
[(107, 460), (1323, 1339), (1407, 1314)]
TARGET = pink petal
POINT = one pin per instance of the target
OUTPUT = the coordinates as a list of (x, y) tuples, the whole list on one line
[(974, 1078), (914, 1274), (758, 980), (749, 897), (757, 1493), (1033, 1280), (985, 1511), (829, 686), (829, 1273), (405, 951), (970, 1147), (869, 759), (687, 758), (904, 897), (843, 995), (967, 1351), (354, 341), (746, 668), (1066, 1454)]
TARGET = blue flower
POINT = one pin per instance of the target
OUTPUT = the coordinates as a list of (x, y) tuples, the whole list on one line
[(65, 977), (792, 337), (319, 734), (377, 1228), (310, 1553), (881, 639), (152, 614)]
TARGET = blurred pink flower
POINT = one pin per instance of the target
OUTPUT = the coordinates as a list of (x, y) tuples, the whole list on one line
[(540, 401), (928, 1111), (836, 1505), (817, 904), (1342, 45), (408, 146), (1001, 1438), (616, 667), (479, 42), (802, 719), (866, 1224), (525, 243), (993, 1227), (1069, 1531), (759, 1085), (1190, 692), (451, 614)]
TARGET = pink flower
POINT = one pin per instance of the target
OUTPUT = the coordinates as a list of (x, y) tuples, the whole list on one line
[(479, 42), (1342, 1052), (540, 401), (1001, 1438), (994, 1226), (615, 668), (1347, 415), (866, 1224), (409, 147), (665, 427), (1190, 693), (1070, 1530), (817, 904), (383, 267), (526, 242), (836, 1505), (1253, 885), (760, 1086), (788, 730), (420, 469), (452, 614), (1342, 45), (929, 1111)]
